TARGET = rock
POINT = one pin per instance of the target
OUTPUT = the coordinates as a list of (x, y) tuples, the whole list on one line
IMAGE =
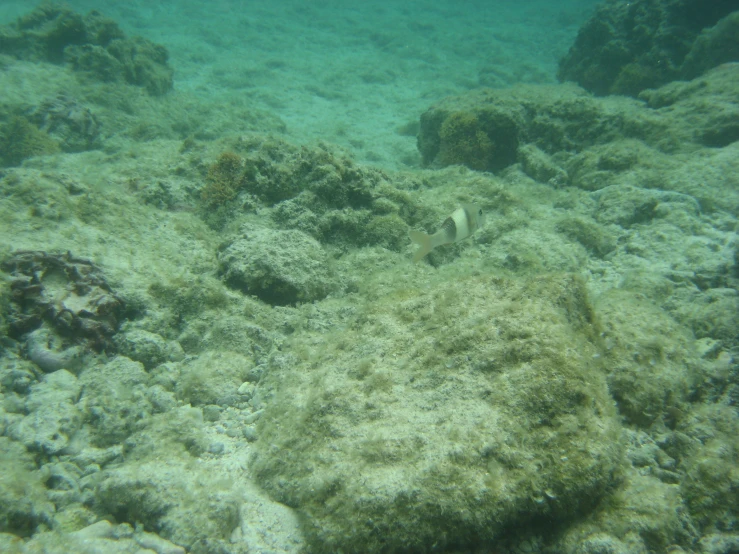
[(47, 350), (178, 498), (279, 267), (157, 544), (53, 418), (65, 294), (93, 44), (68, 121), (148, 348), (445, 418), (214, 378), (489, 130), (563, 135), (626, 47), (115, 400), (720, 543), (714, 46), (20, 139), (101, 530), (23, 503)]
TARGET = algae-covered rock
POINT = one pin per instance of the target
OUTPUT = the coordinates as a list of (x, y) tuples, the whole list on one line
[(645, 515), (93, 44), (714, 46), (115, 400), (626, 47), (711, 483), (148, 348), (490, 129), (20, 139), (685, 102), (650, 358), (69, 121), (52, 415), (176, 498), (317, 190), (23, 503), (563, 135), (279, 267), (444, 418), (214, 378)]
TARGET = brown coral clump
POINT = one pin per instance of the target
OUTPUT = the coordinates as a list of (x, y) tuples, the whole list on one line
[(63, 293), (224, 180)]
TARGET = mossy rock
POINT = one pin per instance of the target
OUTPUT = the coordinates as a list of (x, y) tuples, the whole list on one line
[(442, 419), (20, 139), (490, 130), (626, 47), (93, 44), (465, 142), (278, 267)]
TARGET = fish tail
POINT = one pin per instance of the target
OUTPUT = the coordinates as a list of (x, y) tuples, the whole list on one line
[(424, 244)]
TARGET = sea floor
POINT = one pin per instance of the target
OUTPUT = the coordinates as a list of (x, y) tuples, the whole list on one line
[(215, 341)]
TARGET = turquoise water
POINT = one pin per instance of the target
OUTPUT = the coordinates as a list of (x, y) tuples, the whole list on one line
[(344, 72), (214, 336)]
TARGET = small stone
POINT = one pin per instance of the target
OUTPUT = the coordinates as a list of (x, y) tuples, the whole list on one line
[(251, 418), (246, 389), (157, 544), (100, 530)]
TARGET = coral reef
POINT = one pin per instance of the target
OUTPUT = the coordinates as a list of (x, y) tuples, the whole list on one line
[(626, 47), (92, 44)]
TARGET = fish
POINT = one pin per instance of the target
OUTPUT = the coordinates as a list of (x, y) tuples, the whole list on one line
[(463, 222)]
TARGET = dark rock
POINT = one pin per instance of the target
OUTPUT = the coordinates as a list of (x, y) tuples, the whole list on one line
[(714, 46), (626, 47), (65, 294)]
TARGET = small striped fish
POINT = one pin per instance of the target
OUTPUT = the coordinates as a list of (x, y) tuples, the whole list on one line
[(464, 221)]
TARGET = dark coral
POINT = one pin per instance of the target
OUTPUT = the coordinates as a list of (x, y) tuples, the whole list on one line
[(93, 44), (66, 294), (626, 47)]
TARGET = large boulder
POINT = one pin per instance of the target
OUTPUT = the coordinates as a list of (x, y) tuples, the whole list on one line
[(279, 267), (443, 418)]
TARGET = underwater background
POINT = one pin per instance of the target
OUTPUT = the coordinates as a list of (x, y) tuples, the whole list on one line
[(214, 340)]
